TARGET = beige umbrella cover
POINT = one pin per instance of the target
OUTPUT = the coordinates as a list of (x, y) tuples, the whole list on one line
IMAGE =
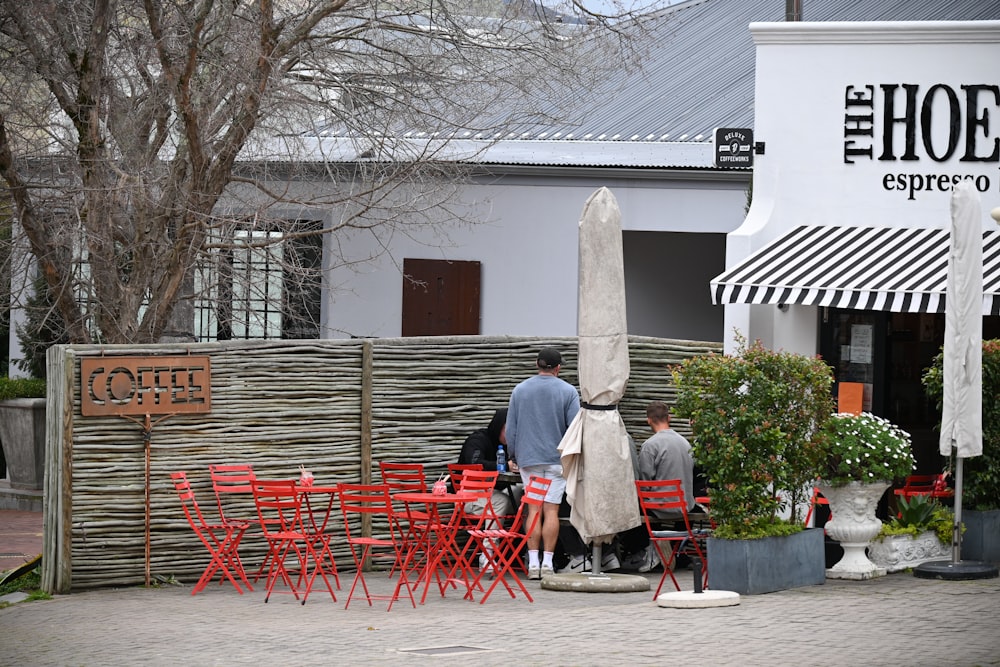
[(597, 463), (962, 416)]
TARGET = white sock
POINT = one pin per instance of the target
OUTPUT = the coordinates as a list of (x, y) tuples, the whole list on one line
[(532, 558), (547, 559)]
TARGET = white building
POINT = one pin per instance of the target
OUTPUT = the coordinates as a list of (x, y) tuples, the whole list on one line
[(866, 127), (816, 95)]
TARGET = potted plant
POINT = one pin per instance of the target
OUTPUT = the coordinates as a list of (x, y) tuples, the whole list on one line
[(22, 431), (756, 420), (864, 454), (921, 531), (981, 474)]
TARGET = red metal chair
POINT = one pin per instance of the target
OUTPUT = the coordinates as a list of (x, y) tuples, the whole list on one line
[(817, 498), (221, 539), (279, 507), (481, 484), (372, 501), (508, 544), (935, 486), (233, 487), (667, 495), (403, 478)]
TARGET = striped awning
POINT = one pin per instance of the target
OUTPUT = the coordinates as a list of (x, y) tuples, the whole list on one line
[(898, 269)]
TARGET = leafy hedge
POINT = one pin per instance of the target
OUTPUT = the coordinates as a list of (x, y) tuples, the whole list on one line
[(756, 419), (21, 388), (981, 482)]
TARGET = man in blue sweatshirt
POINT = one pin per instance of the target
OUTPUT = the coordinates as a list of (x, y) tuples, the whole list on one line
[(541, 409)]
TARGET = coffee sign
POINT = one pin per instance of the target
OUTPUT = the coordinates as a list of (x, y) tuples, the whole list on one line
[(145, 385), (917, 128)]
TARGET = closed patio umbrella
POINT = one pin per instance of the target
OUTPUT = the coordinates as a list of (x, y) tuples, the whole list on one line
[(596, 456), (962, 415)]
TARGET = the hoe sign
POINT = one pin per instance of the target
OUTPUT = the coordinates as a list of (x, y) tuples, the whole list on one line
[(145, 385)]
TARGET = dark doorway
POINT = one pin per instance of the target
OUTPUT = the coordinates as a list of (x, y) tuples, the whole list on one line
[(440, 298)]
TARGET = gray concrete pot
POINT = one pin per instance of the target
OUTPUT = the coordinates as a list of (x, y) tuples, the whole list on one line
[(895, 553), (981, 539), (22, 435), (749, 567)]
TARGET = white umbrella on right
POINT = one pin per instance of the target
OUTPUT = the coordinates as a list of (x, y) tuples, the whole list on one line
[(962, 414)]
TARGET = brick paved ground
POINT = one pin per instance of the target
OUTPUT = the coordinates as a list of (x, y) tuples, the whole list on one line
[(20, 537), (894, 620)]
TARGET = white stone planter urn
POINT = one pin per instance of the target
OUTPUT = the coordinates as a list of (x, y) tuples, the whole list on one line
[(853, 523), (901, 552)]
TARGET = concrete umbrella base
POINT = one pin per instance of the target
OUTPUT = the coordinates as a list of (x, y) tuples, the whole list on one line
[(585, 582), (703, 600)]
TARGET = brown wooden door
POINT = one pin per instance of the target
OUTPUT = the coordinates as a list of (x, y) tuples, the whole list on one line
[(440, 298)]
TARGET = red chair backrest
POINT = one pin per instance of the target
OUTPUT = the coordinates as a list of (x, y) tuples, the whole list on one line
[(478, 482), (455, 471), (534, 495), (403, 476), (189, 501), (237, 478), (665, 495), (357, 500), (279, 506)]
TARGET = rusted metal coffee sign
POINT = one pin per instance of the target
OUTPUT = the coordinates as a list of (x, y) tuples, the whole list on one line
[(145, 385)]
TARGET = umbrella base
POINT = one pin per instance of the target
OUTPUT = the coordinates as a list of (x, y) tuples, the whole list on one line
[(703, 600), (963, 570), (596, 583)]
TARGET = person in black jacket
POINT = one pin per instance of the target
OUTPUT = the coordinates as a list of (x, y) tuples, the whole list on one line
[(481, 447)]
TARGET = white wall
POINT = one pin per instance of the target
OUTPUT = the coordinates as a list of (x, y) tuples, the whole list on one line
[(527, 242), (803, 75)]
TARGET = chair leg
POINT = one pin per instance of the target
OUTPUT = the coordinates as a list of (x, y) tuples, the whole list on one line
[(667, 564)]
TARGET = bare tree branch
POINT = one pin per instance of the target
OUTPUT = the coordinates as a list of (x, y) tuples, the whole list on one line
[(144, 139)]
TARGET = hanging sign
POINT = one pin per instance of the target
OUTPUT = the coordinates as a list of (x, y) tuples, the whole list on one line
[(734, 147), (145, 385)]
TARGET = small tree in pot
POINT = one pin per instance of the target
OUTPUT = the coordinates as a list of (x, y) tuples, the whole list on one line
[(755, 417), (981, 474), (981, 483)]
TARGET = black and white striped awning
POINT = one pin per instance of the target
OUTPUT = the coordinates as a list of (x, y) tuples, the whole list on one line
[(897, 269)]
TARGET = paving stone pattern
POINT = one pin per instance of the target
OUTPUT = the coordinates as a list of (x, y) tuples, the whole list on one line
[(894, 620)]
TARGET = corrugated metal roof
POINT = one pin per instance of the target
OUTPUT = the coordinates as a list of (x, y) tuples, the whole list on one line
[(698, 75)]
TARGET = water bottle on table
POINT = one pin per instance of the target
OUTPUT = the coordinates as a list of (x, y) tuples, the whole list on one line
[(501, 459)]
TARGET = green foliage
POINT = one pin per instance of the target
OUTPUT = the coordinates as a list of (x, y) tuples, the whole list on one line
[(981, 483), (757, 531), (5, 233), (43, 327), (919, 514), (865, 448), (28, 582), (21, 388), (755, 417)]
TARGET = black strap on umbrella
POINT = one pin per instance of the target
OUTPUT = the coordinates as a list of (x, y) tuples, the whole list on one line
[(591, 406)]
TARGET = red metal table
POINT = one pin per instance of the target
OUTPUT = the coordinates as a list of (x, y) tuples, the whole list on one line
[(436, 540)]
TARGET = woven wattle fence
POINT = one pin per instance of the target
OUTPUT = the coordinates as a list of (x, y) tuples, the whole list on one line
[(337, 407)]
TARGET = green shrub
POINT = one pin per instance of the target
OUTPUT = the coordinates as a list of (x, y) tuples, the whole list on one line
[(21, 388), (919, 514), (755, 419), (981, 483), (43, 327)]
